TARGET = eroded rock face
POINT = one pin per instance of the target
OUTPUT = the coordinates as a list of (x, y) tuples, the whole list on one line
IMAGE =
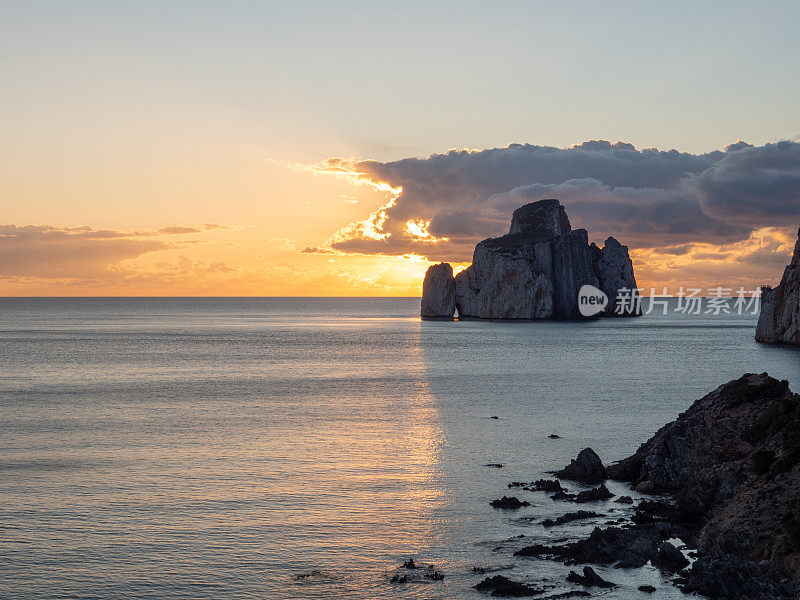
[(502, 287), (614, 270), (779, 321), (536, 270), (439, 292)]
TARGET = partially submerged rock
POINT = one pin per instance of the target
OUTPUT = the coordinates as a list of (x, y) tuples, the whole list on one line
[(570, 517), (669, 558), (779, 321), (589, 579), (586, 468), (511, 503), (623, 547), (503, 587)]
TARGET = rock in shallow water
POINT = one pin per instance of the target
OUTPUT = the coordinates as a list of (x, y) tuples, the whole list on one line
[(589, 579), (511, 503), (503, 587), (669, 558), (586, 468)]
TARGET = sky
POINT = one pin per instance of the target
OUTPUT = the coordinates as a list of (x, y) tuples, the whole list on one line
[(325, 149)]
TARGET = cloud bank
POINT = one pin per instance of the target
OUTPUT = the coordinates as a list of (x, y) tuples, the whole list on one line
[(78, 252), (650, 199)]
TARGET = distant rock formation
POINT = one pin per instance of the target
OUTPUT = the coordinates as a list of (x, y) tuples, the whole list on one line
[(779, 321), (439, 292), (534, 271), (614, 271)]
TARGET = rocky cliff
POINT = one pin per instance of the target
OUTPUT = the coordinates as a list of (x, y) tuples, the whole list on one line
[(731, 463), (779, 321), (535, 271)]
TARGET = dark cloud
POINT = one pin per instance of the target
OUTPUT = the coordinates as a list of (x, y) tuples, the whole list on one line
[(647, 198), (756, 187)]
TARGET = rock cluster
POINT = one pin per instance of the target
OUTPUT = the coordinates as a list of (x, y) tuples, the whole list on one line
[(779, 321), (535, 271), (727, 472)]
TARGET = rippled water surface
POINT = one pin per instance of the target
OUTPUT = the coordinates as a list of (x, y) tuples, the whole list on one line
[(304, 448)]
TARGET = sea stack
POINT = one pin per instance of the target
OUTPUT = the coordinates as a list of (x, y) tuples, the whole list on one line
[(535, 271), (439, 292), (779, 321)]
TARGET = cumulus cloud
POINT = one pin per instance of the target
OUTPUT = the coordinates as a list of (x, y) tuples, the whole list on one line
[(648, 198), (753, 186)]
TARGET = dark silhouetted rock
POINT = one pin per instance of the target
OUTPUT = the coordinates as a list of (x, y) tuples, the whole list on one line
[(439, 292), (546, 485), (779, 321), (594, 495), (587, 468), (648, 589), (623, 547), (624, 500), (589, 579), (507, 503), (670, 558), (569, 517), (503, 587)]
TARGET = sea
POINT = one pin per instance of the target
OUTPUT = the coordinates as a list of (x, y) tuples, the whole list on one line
[(287, 448)]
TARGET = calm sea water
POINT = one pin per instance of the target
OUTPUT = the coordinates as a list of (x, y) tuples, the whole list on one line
[(304, 448)]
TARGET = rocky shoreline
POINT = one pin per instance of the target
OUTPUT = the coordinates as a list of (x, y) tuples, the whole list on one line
[(723, 514)]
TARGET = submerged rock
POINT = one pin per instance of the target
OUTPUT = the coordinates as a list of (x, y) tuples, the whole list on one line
[(586, 468), (648, 589), (439, 292), (779, 321), (503, 587), (533, 272)]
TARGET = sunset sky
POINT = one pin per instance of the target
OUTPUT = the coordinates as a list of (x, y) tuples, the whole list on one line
[(258, 148)]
